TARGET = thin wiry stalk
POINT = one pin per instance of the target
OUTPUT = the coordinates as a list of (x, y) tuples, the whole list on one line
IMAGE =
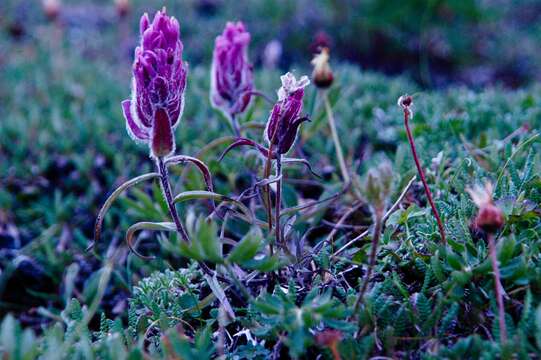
[(266, 193), (498, 287), (372, 261), (278, 206), (407, 113), (166, 188), (336, 139)]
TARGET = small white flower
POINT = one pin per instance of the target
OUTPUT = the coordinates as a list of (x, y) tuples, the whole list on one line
[(290, 85), (481, 195)]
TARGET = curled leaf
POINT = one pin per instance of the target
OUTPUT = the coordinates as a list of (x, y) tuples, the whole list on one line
[(301, 161), (198, 194), (245, 142), (154, 226), (203, 168), (119, 190)]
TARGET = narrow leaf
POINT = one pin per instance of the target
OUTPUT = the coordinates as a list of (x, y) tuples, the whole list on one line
[(112, 198)]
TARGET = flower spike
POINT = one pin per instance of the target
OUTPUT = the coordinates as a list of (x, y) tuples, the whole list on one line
[(159, 82)]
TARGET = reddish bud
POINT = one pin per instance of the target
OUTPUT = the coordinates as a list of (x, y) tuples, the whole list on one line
[(330, 338), (490, 217), (51, 8), (322, 74), (122, 7)]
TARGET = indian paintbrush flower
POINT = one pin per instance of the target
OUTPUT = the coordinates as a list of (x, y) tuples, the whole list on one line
[(231, 76), (159, 81), (322, 74), (285, 118)]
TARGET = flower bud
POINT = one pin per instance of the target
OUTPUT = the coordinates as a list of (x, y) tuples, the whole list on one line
[(159, 81), (322, 74), (406, 102), (51, 8), (285, 118), (490, 217), (378, 186), (231, 82), (122, 7)]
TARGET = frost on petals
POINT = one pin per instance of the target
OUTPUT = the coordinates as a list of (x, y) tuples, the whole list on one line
[(159, 82)]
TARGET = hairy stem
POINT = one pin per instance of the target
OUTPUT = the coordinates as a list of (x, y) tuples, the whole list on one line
[(336, 139), (166, 188), (372, 262), (278, 206), (498, 287), (235, 125), (407, 113)]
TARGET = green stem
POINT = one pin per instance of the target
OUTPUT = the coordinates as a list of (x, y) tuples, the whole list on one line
[(498, 287), (336, 139), (278, 206), (372, 263)]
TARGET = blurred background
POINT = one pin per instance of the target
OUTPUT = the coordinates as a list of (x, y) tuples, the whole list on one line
[(434, 42)]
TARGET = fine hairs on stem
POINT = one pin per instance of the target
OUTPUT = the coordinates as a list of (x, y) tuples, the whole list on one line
[(166, 187), (405, 102), (498, 287)]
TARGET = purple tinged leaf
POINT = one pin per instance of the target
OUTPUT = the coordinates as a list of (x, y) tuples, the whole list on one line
[(245, 142), (203, 168), (284, 120), (162, 140), (134, 130), (290, 135)]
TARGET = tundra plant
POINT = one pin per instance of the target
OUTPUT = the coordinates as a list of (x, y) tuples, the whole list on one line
[(231, 76), (155, 108)]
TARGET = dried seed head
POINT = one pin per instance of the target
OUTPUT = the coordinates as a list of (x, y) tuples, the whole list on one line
[(51, 8), (490, 217), (406, 102), (322, 74)]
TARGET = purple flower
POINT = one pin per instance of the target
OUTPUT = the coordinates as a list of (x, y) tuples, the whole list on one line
[(159, 81), (285, 118), (231, 77)]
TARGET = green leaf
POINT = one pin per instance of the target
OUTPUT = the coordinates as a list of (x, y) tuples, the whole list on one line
[(153, 226), (206, 236), (247, 248), (118, 191)]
